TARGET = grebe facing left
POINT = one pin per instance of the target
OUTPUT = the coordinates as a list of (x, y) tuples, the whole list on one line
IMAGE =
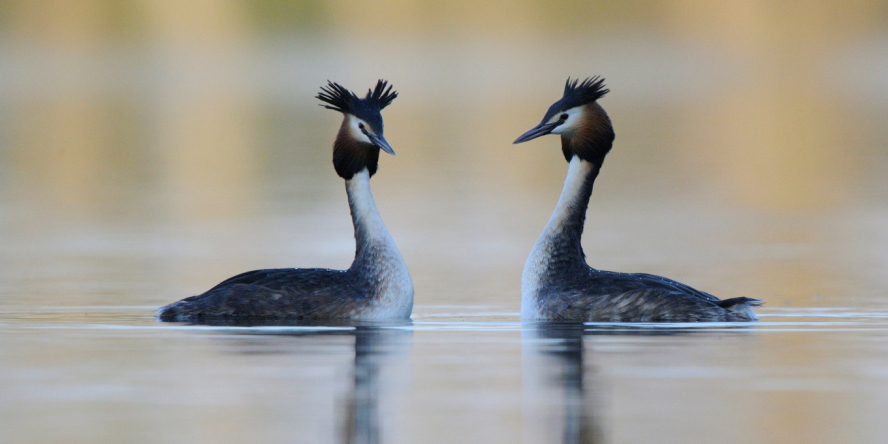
[(557, 284), (377, 286)]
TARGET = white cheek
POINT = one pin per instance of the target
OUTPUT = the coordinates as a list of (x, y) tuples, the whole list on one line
[(569, 125), (356, 132)]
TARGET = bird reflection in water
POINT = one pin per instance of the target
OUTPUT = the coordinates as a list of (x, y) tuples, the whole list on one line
[(377, 345), (559, 400), (555, 393), (374, 347)]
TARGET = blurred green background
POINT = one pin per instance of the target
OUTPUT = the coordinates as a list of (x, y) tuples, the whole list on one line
[(149, 149)]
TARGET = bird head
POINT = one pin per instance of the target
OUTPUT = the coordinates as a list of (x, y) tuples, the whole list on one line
[(361, 135), (582, 123)]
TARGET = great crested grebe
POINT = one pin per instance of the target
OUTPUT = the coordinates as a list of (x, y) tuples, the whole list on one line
[(557, 284), (377, 286)]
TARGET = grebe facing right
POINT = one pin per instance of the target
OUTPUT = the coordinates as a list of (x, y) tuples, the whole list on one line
[(377, 286), (557, 284)]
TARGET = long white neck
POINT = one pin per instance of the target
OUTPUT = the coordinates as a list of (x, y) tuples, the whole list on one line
[(370, 230), (376, 256), (573, 201), (558, 249)]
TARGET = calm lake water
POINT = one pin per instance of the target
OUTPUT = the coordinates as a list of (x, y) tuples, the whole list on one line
[(149, 150), (453, 374)]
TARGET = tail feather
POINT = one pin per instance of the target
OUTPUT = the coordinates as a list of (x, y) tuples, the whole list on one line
[(170, 313), (728, 303), (741, 306)]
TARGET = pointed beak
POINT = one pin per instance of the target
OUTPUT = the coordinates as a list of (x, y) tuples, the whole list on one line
[(540, 130), (380, 142)]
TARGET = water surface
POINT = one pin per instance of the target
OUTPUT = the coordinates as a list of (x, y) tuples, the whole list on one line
[(453, 374)]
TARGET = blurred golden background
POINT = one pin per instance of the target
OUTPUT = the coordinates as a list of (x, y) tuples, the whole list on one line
[(178, 142), (151, 148)]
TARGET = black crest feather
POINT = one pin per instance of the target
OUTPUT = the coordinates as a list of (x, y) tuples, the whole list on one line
[(578, 93), (338, 98), (382, 95)]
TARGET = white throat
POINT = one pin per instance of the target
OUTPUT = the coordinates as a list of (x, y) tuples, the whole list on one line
[(538, 260)]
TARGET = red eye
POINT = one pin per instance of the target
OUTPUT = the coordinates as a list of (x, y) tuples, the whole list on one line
[(564, 116), (361, 125)]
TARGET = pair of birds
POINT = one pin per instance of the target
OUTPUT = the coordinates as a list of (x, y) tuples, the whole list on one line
[(556, 285)]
